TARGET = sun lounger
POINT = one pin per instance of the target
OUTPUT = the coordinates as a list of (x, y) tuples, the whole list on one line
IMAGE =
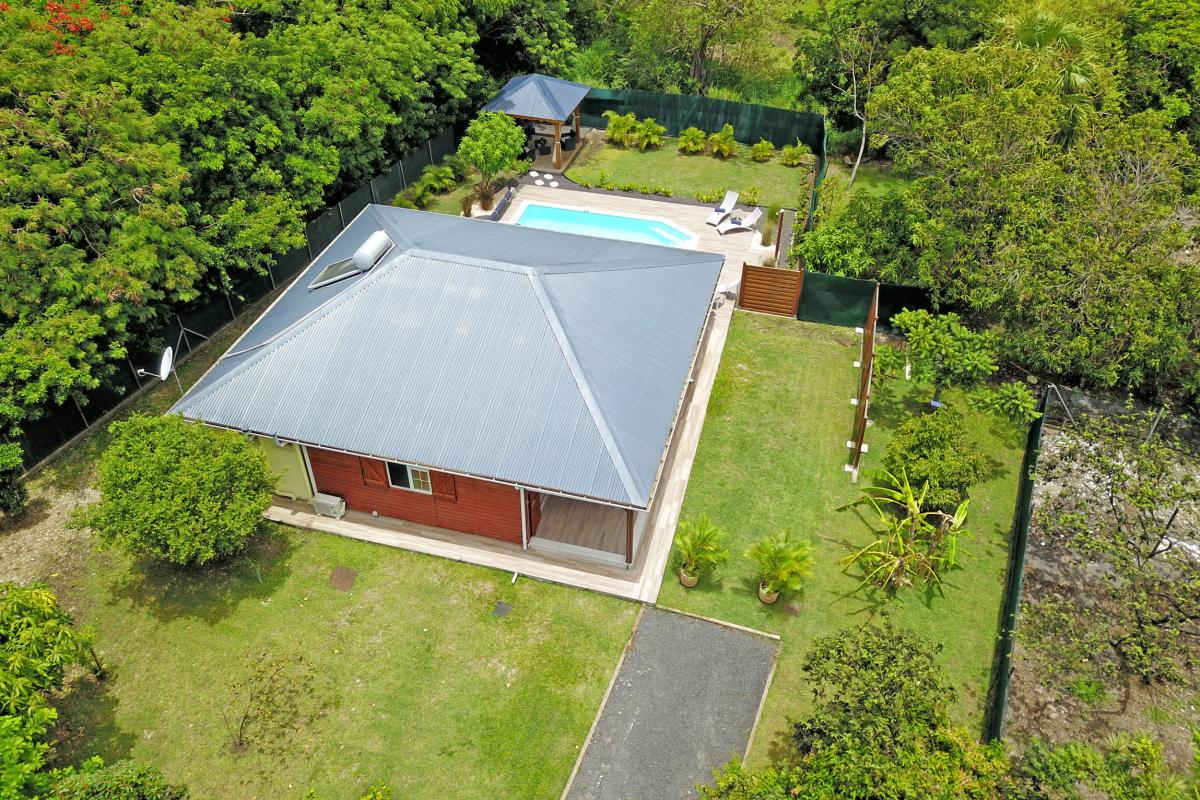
[(722, 211), (740, 223)]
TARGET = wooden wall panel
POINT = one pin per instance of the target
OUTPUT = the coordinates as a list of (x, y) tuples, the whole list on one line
[(770, 290), (479, 507)]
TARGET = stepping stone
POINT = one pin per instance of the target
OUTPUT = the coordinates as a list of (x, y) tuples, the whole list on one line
[(342, 578), (553, 184), (533, 173), (540, 182), (502, 608)]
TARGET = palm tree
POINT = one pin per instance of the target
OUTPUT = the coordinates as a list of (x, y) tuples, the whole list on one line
[(1070, 46)]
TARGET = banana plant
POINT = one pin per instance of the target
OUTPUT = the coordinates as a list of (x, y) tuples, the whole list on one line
[(912, 543)]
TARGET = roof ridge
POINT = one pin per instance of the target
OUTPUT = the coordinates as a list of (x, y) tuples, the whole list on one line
[(585, 390)]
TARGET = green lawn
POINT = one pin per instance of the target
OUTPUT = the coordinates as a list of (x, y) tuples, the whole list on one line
[(872, 178), (686, 175), (420, 685), (771, 456)]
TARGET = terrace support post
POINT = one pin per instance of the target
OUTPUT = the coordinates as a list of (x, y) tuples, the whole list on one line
[(578, 128), (557, 144), (628, 538)]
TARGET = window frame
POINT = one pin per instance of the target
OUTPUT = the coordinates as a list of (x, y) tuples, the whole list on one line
[(426, 486)]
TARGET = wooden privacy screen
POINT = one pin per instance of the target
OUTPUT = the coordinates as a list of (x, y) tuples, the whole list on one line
[(770, 290), (867, 365)]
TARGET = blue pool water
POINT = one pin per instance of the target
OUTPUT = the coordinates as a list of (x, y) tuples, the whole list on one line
[(609, 226)]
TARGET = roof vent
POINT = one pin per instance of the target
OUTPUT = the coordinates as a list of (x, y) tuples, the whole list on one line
[(374, 248), (369, 253)]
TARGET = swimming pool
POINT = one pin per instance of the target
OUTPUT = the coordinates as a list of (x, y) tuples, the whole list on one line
[(645, 230)]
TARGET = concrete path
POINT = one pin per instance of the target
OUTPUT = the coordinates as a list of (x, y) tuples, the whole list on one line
[(685, 699)]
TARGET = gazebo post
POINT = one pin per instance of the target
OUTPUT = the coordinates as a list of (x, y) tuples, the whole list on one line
[(578, 129), (557, 144)]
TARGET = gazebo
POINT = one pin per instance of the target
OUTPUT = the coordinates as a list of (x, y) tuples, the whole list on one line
[(540, 98)]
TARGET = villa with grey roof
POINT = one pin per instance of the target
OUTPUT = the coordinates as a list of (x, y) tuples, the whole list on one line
[(472, 376)]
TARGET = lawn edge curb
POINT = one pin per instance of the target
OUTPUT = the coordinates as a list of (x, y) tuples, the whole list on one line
[(604, 702), (762, 703), (773, 636)]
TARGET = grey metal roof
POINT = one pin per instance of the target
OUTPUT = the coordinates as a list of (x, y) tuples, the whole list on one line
[(534, 357), (539, 96)]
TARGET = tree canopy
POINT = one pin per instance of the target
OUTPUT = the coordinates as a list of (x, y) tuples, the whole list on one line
[(179, 491)]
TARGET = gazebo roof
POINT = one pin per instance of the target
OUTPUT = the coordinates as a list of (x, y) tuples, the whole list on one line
[(539, 97)]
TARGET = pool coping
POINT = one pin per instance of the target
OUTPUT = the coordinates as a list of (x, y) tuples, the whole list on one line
[(693, 239)]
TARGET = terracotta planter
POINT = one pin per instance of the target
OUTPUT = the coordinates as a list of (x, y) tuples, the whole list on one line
[(766, 597), (688, 581)]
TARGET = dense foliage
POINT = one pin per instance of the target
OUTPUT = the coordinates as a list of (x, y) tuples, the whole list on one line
[(121, 780), (879, 728), (38, 642), (178, 491), (151, 152), (933, 449), (12, 489)]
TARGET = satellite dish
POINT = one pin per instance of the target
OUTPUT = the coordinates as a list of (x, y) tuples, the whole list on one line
[(168, 361), (165, 365)]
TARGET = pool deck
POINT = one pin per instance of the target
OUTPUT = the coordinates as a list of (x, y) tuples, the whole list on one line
[(736, 247)]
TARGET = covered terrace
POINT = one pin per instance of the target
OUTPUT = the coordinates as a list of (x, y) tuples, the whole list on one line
[(543, 105)]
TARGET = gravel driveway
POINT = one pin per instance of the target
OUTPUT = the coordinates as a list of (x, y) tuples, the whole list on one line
[(684, 701)]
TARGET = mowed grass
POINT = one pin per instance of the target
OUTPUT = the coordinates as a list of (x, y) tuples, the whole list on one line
[(686, 175), (771, 457), (418, 686)]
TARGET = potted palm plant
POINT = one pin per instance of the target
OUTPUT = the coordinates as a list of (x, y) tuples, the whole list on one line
[(783, 563), (701, 547)]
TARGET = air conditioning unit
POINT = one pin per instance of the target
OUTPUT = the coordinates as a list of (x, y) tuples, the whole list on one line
[(329, 505)]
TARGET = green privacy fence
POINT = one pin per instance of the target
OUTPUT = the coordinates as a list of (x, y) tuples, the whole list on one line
[(750, 122), (836, 300), (187, 326), (997, 704)]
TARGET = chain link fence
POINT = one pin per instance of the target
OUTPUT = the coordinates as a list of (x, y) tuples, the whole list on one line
[(187, 327)]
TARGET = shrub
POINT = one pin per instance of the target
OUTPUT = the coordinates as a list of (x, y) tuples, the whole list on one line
[(700, 545), (711, 196), (484, 196), (692, 141), (722, 142), (889, 361), (467, 204), (934, 449), (770, 225), (750, 196), (12, 489), (648, 134), (1013, 400), (782, 562), (38, 641), (620, 128), (795, 155), (184, 493), (459, 167), (122, 780), (439, 178), (762, 150)]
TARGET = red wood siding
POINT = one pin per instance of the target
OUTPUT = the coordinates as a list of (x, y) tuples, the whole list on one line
[(458, 503)]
